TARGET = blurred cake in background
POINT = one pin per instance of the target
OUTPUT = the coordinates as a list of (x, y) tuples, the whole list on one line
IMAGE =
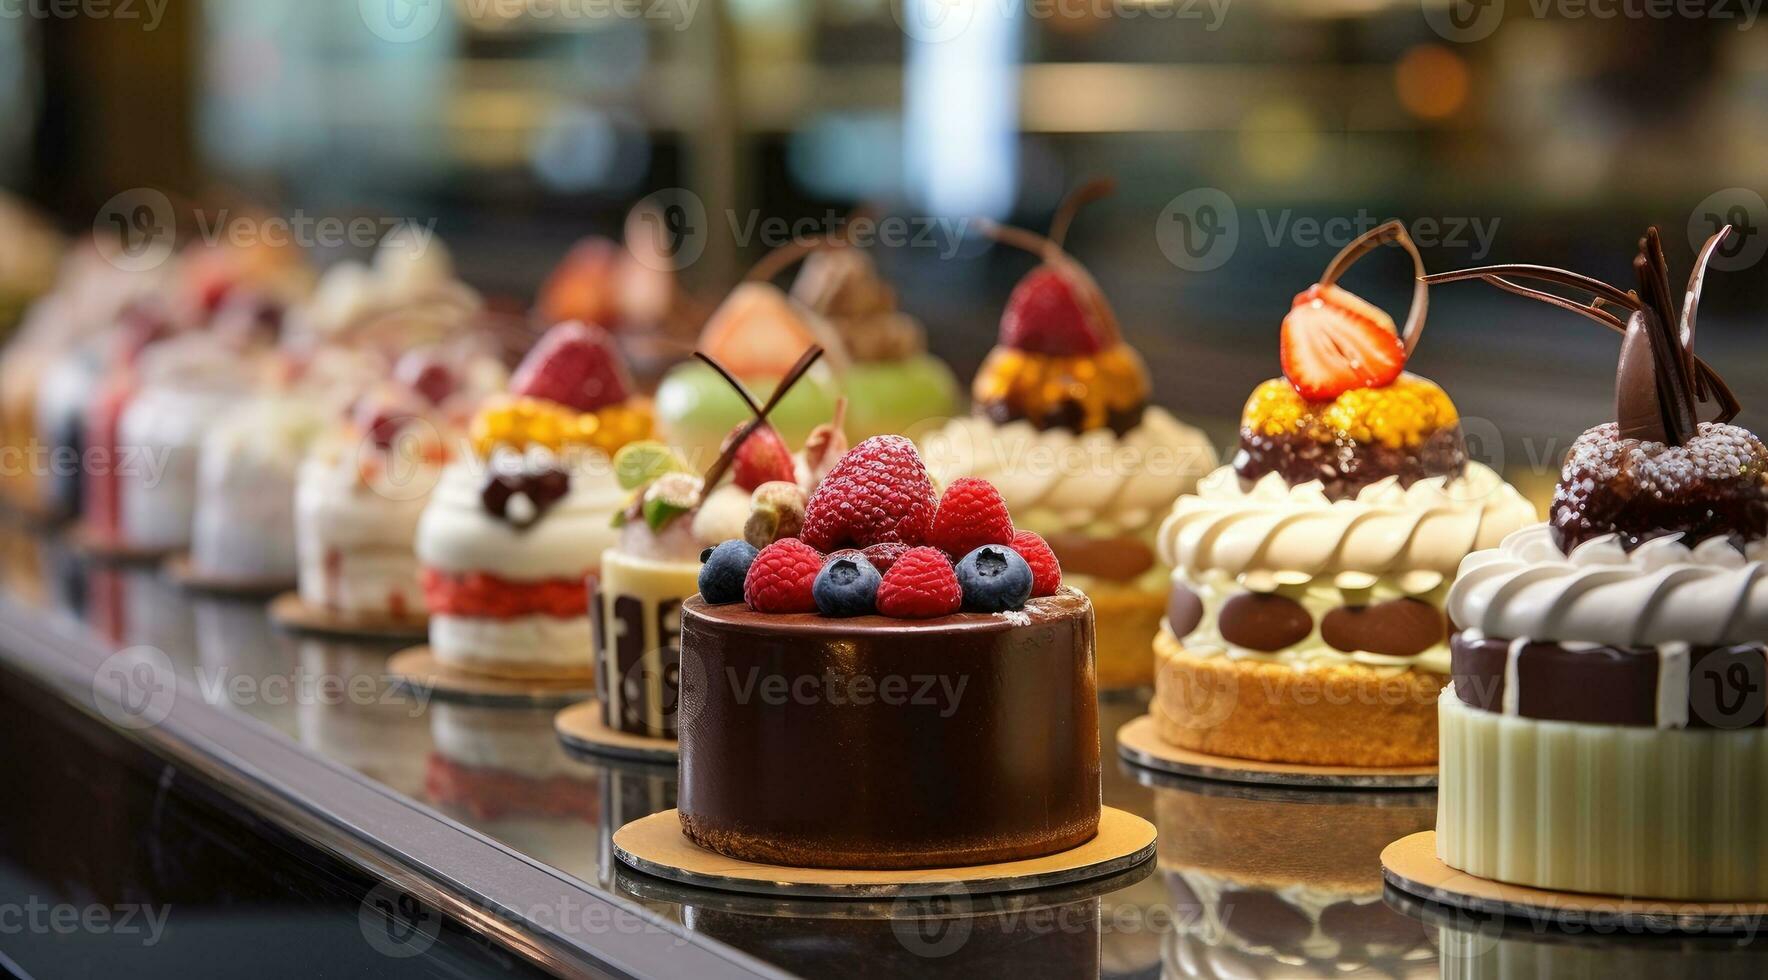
[(1063, 427), (405, 296), (631, 291), (30, 252), (1306, 623), (876, 356), (512, 541), (365, 481)]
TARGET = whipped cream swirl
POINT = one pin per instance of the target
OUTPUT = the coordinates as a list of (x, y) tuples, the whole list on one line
[(1056, 480), (1274, 534), (1663, 592)]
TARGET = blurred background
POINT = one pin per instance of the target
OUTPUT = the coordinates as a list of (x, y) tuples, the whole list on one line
[(1250, 140)]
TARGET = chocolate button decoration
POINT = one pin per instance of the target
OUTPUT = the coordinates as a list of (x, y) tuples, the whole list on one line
[(1267, 622), (1395, 628), (1184, 610), (541, 488)]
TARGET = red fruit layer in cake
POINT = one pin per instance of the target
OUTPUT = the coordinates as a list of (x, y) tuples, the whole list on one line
[(490, 597), (492, 794)]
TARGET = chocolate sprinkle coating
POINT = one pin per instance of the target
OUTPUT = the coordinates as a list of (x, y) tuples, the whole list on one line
[(1344, 467)]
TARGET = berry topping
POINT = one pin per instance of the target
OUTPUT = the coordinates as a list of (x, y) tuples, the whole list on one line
[(879, 491), (781, 578), (576, 366), (921, 585), (1714, 486), (1046, 571), (994, 579), (1045, 316), (724, 570), (971, 514), (885, 553), (382, 417), (847, 585), (521, 498), (762, 458), (427, 374), (1331, 344)]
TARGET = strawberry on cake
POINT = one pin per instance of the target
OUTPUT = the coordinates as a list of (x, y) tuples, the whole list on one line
[(1063, 426), (1306, 622), (940, 678), (512, 541)]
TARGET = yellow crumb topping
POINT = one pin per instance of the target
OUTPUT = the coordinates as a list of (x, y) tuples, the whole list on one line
[(1033, 386), (1399, 415), (518, 423)]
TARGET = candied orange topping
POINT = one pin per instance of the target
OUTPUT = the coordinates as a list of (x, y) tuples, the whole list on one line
[(1399, 415), (522, 422), (1039, 387)]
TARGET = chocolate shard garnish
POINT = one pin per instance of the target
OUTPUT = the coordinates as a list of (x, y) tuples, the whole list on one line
[(1659, 382), (759, 412), (1391, 232)]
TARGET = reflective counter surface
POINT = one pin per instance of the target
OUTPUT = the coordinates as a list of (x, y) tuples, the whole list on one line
[(1247, 882)]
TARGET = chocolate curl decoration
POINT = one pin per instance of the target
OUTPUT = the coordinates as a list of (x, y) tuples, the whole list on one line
[(794, 252), (1658, 378), (760, 412), (1369, 241), (1093, 190)]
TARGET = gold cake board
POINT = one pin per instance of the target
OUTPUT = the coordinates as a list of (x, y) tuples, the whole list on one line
[(1139, 742), (181, 570), (656, 846), (581, 730), (417, 667), (291, 613), (1411, 865)]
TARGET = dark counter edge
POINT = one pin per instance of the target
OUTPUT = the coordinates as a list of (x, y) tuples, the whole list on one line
[(439, 862)]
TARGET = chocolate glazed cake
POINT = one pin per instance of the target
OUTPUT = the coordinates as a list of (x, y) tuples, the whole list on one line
[(874, 742)]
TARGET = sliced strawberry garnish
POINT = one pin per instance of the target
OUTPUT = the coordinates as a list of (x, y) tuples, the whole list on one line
[(1045, 315), (1333, 342), (576, 365)]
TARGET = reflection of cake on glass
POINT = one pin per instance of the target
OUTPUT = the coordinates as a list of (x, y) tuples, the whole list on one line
[(363, 485), (503, 771), (1286, 883), (876, 356), (854, 770), (1604, 732), (512, 540), (1306, 623), (1063, 427), (672, 519)]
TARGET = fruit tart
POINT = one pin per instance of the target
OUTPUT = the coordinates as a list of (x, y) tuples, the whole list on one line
[(1604, 731), (512, 540), (904, 684), (1063, 427), (1306, 621)]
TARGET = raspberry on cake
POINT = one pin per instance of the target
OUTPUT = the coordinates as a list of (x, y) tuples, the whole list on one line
[(511, 540), (945, 779), (1608, 693), (1064, 431), (1306, 618)]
